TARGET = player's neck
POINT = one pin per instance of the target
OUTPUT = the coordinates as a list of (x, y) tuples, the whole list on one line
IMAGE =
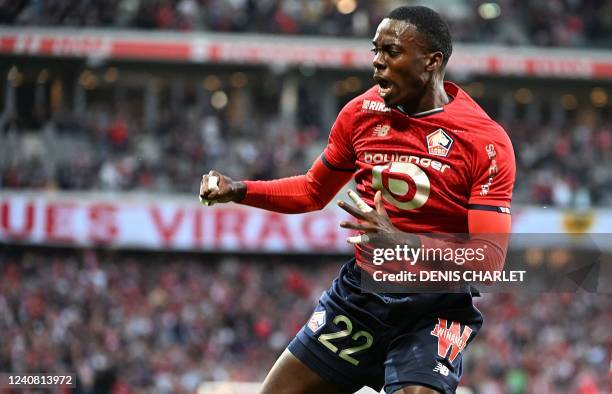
[(435, 98)]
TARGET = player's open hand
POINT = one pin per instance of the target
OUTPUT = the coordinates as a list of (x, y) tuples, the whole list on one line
[(373, 222), (218, 188)]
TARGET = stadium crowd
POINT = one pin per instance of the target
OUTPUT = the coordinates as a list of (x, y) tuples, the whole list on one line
[(550, 22), (144, 323), (560, 165)]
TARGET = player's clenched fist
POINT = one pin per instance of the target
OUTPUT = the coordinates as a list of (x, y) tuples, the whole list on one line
[(215, 188)]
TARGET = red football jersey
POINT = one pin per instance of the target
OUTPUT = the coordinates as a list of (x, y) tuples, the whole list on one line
[(431, 167)]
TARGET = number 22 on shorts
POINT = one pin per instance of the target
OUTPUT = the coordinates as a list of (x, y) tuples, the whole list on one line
[(345, 354)]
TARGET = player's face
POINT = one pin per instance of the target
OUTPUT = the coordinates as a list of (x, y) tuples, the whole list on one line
[(402, 64)]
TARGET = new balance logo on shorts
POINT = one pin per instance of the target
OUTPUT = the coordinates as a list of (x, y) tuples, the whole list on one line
[(451, 338), (441, 368)]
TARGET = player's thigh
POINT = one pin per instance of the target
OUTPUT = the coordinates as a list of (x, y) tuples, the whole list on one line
[(430, 356), (342, 345), (290, 376)]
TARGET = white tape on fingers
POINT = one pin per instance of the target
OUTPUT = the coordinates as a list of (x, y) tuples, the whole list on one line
[(212, 185), (358, 239), (213, 182), (363, 207)]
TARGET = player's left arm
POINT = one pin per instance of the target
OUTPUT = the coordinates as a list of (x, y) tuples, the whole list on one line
[(488, 231), (493, 173)]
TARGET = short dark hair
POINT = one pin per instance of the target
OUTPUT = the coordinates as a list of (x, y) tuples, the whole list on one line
[(430, 24)]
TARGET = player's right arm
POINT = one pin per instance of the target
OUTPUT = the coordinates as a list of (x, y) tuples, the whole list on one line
[(297, 194), (303, 193)]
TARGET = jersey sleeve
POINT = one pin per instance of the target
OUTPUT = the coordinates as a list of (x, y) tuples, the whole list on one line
[(339, 153), (298, 194), (493, 172)]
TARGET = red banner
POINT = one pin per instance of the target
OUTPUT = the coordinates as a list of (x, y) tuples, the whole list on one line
[(181, 223), (320, 52), (174, 225)]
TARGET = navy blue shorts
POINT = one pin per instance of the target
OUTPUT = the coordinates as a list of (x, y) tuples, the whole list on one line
[(355, 339)]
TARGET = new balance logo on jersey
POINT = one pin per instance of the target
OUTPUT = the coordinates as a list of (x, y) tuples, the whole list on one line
[(381, 130), (439, 143), (451, 338), (441, 368), (317, 320), (372, 105)]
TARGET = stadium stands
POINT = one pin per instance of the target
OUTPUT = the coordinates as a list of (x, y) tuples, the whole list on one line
[(548, 23), (559, 165)]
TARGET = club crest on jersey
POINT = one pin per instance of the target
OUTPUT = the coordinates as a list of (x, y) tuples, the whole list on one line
[(317, 320), (381, 130), (439, 143)]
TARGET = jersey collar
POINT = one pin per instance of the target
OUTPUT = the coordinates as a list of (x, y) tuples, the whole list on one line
[(419, 114), (452, 91)]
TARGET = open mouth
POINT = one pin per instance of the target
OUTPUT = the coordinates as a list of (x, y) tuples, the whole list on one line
[(384, 86)]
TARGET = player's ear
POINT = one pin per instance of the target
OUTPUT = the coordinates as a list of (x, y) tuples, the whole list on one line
[(434, 61)]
